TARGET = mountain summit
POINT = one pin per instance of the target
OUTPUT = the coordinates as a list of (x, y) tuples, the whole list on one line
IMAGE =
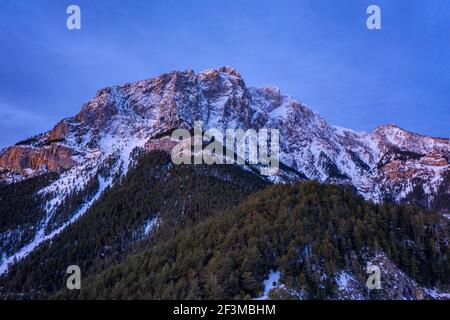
[(49, 181), (388, 163)]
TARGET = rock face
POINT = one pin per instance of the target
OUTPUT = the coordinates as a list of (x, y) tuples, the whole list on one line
[(388, 163), (25, 160)]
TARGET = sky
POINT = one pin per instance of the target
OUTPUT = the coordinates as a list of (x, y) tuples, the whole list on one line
[(318, 51)]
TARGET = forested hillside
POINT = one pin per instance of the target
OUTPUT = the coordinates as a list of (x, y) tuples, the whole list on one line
[(309, 232), (217, 232), (154, 202), (21, 210)]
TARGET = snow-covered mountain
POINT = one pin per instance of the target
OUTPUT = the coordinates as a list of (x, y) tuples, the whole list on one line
[(92, 149)]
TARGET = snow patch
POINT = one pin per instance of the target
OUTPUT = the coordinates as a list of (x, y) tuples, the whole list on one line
[(150, 225), (40, 235), (270, 283)]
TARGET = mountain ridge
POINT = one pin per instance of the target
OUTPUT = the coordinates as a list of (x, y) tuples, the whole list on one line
[(220, 98), (94, 147)]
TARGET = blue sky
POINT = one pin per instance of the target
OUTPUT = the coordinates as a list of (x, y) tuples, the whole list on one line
[(318, 51)]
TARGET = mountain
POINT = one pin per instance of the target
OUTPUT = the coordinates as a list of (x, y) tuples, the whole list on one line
[(50, 182), (388, 163)]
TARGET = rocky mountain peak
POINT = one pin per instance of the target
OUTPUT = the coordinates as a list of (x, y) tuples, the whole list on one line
[(389, 161), (231, 71), (393, 135)]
